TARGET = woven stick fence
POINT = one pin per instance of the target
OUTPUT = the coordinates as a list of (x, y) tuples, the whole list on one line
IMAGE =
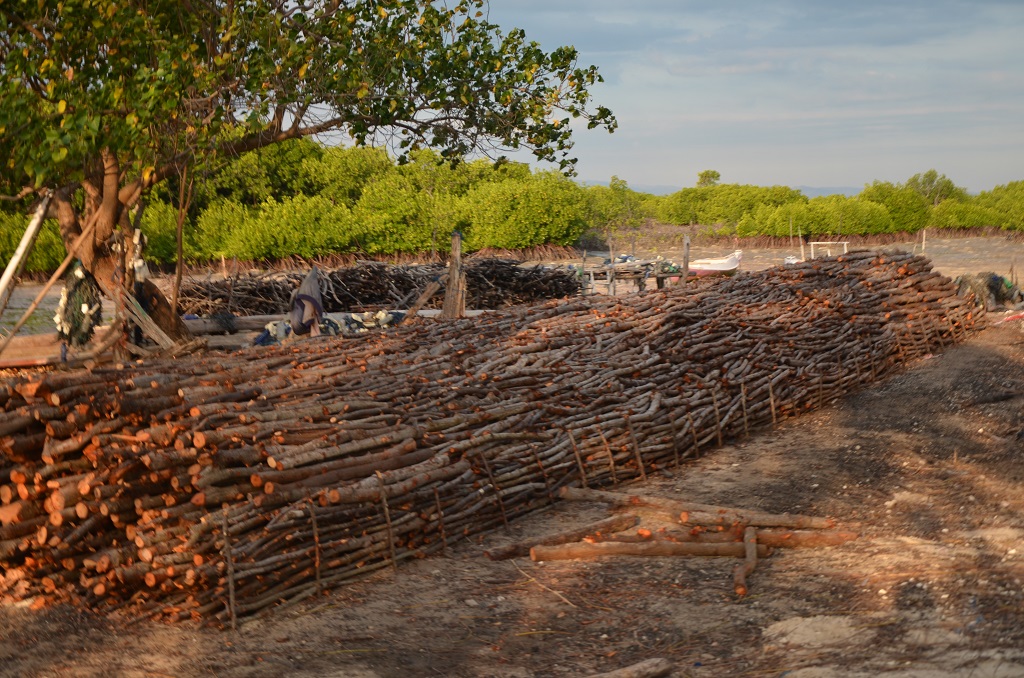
[(223, 486)]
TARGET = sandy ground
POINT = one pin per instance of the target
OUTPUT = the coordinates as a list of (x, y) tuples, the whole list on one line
[(928, 467)]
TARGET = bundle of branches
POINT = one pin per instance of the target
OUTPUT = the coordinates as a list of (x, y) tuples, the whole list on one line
[(222, 485), (491, 284)]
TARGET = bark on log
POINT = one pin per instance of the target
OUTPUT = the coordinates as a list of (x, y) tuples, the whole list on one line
[(522, 548), (586, 551), (649, 668), (746, 568), (699, 514)]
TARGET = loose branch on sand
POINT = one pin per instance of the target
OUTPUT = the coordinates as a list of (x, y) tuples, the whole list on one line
[(714, 531)]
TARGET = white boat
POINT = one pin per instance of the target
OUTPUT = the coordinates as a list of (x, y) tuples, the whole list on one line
[(723, 266)]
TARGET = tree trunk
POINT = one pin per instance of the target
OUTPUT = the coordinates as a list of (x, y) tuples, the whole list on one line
[(99, 258)]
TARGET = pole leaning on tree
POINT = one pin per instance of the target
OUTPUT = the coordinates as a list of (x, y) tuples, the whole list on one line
[(17, 263)]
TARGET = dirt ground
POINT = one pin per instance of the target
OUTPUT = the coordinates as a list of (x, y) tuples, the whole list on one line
[(928, 467)]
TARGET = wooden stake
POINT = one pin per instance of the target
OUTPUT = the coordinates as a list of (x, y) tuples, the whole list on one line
[(743, 395), (440, 521), (316, 545), (497, 490), (454, 305), (611, 457), (686, 260), (229, 559), (675, 442), (387, 520), (543, 473), (636, 448), (579, 459), (693, 430), (718, 419)]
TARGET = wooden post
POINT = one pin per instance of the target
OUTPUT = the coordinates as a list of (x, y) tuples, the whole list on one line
[(454, 305), (316, 546), (86, 234), (686, 259), (387, 520), (583, 274), (230, 560), (17, 263), (636, 448), (440, 521), (611, 266), (611, 457), (579, 459)]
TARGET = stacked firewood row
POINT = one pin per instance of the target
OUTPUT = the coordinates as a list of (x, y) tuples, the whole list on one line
[(491, 284), (222, 485)]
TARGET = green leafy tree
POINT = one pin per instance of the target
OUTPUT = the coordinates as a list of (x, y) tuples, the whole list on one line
[(708, 178), (907, 207), (727, 203), (391, 216), (101, 100), (956, 214), (340, 173), (276, 171), (935, 187), (547, 208), (1006, 201), (298, 226), (48, 251), (617, 210), (160, 226), (683, 206), (215, 226)]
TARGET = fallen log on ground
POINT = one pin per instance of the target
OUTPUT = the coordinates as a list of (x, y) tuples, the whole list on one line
[(699, 514), (769, 537), (591, 531), (649, 668), (746, 568), (587, 551), (157, 488)]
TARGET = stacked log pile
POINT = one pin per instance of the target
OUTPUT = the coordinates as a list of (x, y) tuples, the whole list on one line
[(223, 485), (491, 284)]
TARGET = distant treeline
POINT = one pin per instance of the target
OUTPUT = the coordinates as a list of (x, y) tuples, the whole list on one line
[(925, 200), (301, 199)]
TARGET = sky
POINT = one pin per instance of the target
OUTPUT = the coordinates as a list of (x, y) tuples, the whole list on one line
[(794, 92)]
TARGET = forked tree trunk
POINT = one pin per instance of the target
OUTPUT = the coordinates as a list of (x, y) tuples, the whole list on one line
[(106, 264)]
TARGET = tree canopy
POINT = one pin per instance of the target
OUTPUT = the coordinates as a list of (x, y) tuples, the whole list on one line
[(708, 178), (150, 82), (100, 99)]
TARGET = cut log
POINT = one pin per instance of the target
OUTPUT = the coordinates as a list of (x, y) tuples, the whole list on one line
[(522, 548), (746, 568), (699, 514), (649, 668), (586, 551)]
